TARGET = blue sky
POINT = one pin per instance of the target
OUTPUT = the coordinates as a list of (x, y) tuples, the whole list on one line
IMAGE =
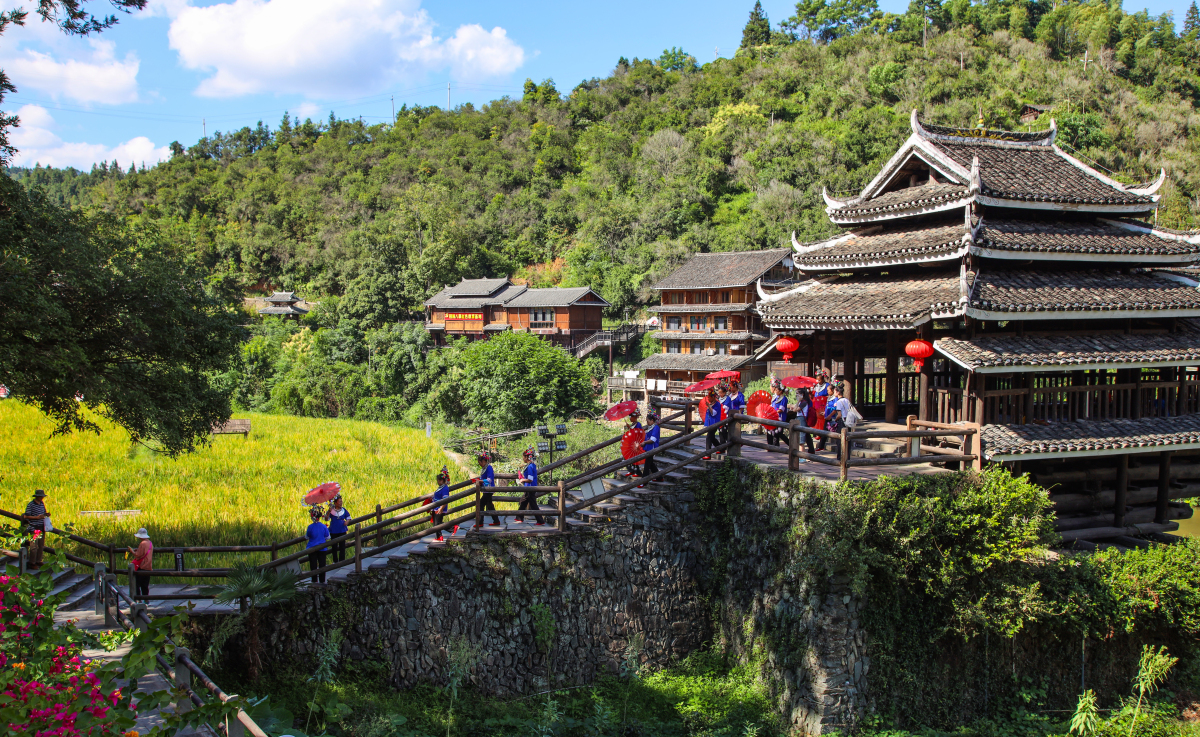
[(183, 66)]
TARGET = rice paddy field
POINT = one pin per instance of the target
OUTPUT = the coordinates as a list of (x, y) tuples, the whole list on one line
[(233, 491)]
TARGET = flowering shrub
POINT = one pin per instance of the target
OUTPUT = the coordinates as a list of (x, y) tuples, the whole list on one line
[(47, 689)]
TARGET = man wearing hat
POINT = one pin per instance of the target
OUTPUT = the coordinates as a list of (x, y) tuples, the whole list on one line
[(143, 560), (35, 516)]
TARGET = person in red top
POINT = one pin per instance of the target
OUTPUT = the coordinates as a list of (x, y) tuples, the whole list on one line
[(143, 560)]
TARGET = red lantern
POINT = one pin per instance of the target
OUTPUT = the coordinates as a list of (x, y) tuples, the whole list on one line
[(919, 350), (786, 345)]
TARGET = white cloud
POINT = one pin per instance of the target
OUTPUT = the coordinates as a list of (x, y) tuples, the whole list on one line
[(97, 77), (37, 142), (323, 48)]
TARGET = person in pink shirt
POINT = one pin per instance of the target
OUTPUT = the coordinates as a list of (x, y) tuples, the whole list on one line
[(143, 560)]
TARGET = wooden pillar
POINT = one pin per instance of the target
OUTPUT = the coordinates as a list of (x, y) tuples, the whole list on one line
[(1122, 491), (850, 364), (827, 354), (1027, 400), (969, 381), (891, 381), (926, 332), (1164, 486)]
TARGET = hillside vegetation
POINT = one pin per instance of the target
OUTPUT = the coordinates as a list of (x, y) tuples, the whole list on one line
[(615, 182)]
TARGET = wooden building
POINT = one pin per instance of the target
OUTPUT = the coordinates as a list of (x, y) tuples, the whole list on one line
[(1063, 320), (477, 308), (707, 317), (283, 304)]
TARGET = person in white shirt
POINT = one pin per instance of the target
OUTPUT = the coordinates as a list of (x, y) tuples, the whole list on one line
[(843, 410)]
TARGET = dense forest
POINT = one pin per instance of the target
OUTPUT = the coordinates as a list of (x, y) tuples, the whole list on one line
[(614, 183)]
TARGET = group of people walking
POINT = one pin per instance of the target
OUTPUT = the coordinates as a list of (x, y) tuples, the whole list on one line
[(318, 535)]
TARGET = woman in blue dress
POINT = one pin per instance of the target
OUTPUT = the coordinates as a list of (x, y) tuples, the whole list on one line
[(650, 443), (529, 477), (779, 400), (711, 417), (488, 478), (317, 535)]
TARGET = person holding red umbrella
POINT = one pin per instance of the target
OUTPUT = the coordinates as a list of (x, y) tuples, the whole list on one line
[(804, 404), (317, 535), (338, 517), (711, 417), (779, 400), (632, 422), (650, 443), (816, 418)]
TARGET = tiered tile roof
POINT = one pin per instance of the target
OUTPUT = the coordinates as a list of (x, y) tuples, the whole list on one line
[(911, 198), (864, 302), (691, 362), (1066, 439), (1003, 353), (1099, 237), (726, 269), (1017, 292), (885, 247), (556, 297)]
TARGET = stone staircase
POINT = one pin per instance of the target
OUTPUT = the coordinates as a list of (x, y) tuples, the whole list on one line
[(878, 449), (78, 587)]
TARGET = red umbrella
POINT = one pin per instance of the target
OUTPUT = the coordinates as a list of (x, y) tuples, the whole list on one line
[(700, 386), (323, 493), (757, 398), (724, 375), (620, 409), (766, 412), (799, 382), (631, 444)]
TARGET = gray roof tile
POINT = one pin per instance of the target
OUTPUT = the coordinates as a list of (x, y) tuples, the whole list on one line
[(1091, 236), (476, 287), (889, 246), (555, 297), (691, 362), (446, 300), (1001, 351), (1080, 291), (725, 269), (863, 301), (1089, 436), (926, 195)]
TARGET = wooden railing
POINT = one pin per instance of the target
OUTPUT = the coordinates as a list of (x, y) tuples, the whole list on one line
[(1069, 403)]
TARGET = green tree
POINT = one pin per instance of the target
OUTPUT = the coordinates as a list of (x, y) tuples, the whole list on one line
[(677, 60), (95, 314), (826, 20), (758, 29), (1191, 21), (516, 380)]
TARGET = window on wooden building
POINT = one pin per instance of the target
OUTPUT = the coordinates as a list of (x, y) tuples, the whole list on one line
[(698, 322), (675, 323), (541, 317), (720, 323), (697, 347), (724, 297), (674, 346), (722, 349), (674, 298), (699, 298)]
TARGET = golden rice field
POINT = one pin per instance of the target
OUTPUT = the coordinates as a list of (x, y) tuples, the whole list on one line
[(231, 492)]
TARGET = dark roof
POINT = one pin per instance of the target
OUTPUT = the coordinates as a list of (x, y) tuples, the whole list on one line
[(282, 297), (886, 247), (1006, 352), (690, 362), (864, 301), (445, 300), (1092, 236), (665, 335), (555, 297), (727, 269), (714, 307), (926, 195), (1081, 291), (475, 287), (1035, 173), (1088, 436), (496, 327), (285, 310), (987, 133)]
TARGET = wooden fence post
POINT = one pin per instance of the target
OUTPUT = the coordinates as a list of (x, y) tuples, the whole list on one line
[(735, 437), (478, 507), (135, 619), (183, 679), (274, 551), (794, 446), (562, 507), (977, 464), (98, 587), (378, 519), (914, 444), (687, 416), (844, 458), (132, 587), (110, 583), (358, 547), (112, 558)]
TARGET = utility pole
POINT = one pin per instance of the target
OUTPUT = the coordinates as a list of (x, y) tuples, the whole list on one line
[(204, 126), (393, 109), (447, 97), (716, 52)]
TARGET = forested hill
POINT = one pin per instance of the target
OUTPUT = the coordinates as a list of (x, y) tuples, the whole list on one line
[(615, 182)]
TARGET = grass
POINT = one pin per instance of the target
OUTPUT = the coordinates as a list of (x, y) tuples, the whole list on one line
[(701, 696), (234, 491)]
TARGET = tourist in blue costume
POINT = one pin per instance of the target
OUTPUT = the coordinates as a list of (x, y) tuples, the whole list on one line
[(338, 517), (488, 478), (711, 417), (529, 477), (726, 411), (317, 535), (779, 400), (443, 492), (804, 404), (631, 422), (820, 399), (737, 401), (650, 443)]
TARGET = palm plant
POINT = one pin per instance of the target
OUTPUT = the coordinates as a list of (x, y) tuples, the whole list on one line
[(252, 587)]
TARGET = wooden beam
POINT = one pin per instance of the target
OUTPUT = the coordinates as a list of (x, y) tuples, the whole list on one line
[(849, 364), (891, 381), (1122, 491), (923, 411), (1164, 486)]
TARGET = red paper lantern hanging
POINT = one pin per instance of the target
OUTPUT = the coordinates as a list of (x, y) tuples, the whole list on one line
[(787, 345), (919, 350)]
